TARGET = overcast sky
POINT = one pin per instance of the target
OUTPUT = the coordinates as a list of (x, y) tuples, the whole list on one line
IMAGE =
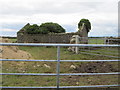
[(103, 15)]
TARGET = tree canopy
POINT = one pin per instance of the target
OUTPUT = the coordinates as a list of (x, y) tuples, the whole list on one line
[(44, 28), (87, 24), (52, 27)]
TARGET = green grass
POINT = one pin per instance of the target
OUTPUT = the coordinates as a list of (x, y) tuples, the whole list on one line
[(29, 80), (90, 41), (13, 40), (41, 52), (96, 41), (104, 51), (64, 80), (50, 53)]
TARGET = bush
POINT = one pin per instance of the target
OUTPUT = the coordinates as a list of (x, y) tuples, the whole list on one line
[(44, 28), (87, 24), (52, 27), (32, 29)]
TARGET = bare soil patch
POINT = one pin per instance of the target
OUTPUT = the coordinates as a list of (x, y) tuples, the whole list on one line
[(96, 67), (12, 52)]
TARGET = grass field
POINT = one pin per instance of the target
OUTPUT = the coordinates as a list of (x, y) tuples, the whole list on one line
[(49, 53), (90, 40), (96, 40), (13, 40)]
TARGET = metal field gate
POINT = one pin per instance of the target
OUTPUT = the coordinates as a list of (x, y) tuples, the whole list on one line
[(58, 74)]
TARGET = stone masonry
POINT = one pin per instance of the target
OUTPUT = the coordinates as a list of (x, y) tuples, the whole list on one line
[(23, 37)]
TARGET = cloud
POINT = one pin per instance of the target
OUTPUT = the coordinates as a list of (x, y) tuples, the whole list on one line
[(30, 7), (119, 18), (102, 14), (8, 30), (39, 7), (104, 31)]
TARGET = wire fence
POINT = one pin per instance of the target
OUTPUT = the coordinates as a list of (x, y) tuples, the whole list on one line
[(58, 74), (99, 40)]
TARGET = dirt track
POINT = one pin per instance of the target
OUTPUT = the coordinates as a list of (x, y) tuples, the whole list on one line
[(12, 52)]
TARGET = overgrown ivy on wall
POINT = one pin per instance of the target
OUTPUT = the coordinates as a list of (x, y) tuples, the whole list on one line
[(44, 28)]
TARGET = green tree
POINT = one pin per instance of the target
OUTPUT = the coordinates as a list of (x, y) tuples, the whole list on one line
[(32, 29), (87, 24), (24, 28), (52, 27), (44, 28)]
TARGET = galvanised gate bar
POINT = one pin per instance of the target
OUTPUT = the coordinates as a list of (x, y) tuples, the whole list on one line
[(58, 74)]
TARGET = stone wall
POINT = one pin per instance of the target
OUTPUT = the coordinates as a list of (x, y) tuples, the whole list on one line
[(45, 38), (23, 37)]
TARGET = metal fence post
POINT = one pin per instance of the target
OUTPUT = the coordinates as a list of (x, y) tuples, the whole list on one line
[(58, 66), (77, 42)]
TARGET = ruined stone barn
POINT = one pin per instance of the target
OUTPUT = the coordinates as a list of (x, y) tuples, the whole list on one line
[(23, 37)]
